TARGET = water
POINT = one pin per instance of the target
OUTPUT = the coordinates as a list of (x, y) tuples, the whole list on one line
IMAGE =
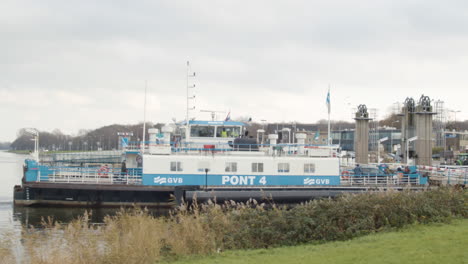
[(12, 219), (11, 169)]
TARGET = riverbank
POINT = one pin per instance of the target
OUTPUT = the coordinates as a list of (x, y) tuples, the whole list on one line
[(47, 152), (433, 243), (134, 236), (24, 152)]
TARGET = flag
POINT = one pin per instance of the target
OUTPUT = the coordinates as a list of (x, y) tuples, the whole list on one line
[(124, 142), (328, 101), (228, 117)]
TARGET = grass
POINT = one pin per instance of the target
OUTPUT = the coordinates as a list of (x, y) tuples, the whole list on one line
[(433, 243)]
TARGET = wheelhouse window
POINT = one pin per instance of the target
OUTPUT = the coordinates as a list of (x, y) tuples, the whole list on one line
[(257, 167), (309, 168), (224, 131), (231, 167), (176, 166), (202, 131), (283, 167)]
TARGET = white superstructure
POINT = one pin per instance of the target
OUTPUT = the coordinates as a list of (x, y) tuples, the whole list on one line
[(221, 153)]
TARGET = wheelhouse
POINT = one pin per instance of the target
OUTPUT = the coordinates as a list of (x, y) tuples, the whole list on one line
[(216, 131)]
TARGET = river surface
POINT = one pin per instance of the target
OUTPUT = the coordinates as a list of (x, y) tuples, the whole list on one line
[(12, 219), (11, 173)]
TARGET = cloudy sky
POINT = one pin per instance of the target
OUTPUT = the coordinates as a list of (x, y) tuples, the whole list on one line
[(83, 64)]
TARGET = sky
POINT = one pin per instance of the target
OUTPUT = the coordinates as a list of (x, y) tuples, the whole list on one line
[(74, 65)]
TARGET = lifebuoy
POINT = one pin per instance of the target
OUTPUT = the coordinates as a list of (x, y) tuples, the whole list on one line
[(345, 175), (103, 171)]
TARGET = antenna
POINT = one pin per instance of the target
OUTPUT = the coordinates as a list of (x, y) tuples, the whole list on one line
[(35, 133), (144, 122), (189, 96), (188, 87)]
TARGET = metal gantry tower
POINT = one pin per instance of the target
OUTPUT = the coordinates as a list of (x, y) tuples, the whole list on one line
[(440, 123), (374, 130), (361, 135)]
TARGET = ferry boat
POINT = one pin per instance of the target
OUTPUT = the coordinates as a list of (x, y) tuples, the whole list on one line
[(207, 160), (203, 159)]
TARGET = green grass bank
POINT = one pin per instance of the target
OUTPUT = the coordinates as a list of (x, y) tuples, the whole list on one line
[(433, 243)]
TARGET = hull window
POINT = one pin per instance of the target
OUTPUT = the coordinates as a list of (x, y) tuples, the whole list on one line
[(231, 167), (309, 168), (176, 166), (283, 167), (257, 167)]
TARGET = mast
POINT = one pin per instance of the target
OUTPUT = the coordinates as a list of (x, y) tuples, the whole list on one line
[(188, 87), (144, 121), (329, 108), (35, 133)]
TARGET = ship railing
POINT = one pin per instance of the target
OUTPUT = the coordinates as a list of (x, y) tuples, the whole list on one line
[(448, 175), (105, 156), (221, 148), (218, 148), (101, 175), (380, 180)]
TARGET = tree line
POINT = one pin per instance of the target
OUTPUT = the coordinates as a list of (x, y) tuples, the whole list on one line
[(106, 138), (4, 145)]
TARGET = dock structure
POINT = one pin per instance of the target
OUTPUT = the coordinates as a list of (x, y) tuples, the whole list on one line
[(408, 124), (416, 131), (423, 144), (361, 138)]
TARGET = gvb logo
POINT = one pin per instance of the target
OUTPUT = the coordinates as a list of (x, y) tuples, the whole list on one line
[(170, 180), (309, 181), (160, 180)]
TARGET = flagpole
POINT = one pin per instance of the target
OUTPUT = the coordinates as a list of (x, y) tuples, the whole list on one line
[(329, 106), (144, 122), (329, 139)]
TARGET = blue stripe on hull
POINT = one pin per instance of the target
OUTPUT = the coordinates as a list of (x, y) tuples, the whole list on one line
[(237, 180)]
